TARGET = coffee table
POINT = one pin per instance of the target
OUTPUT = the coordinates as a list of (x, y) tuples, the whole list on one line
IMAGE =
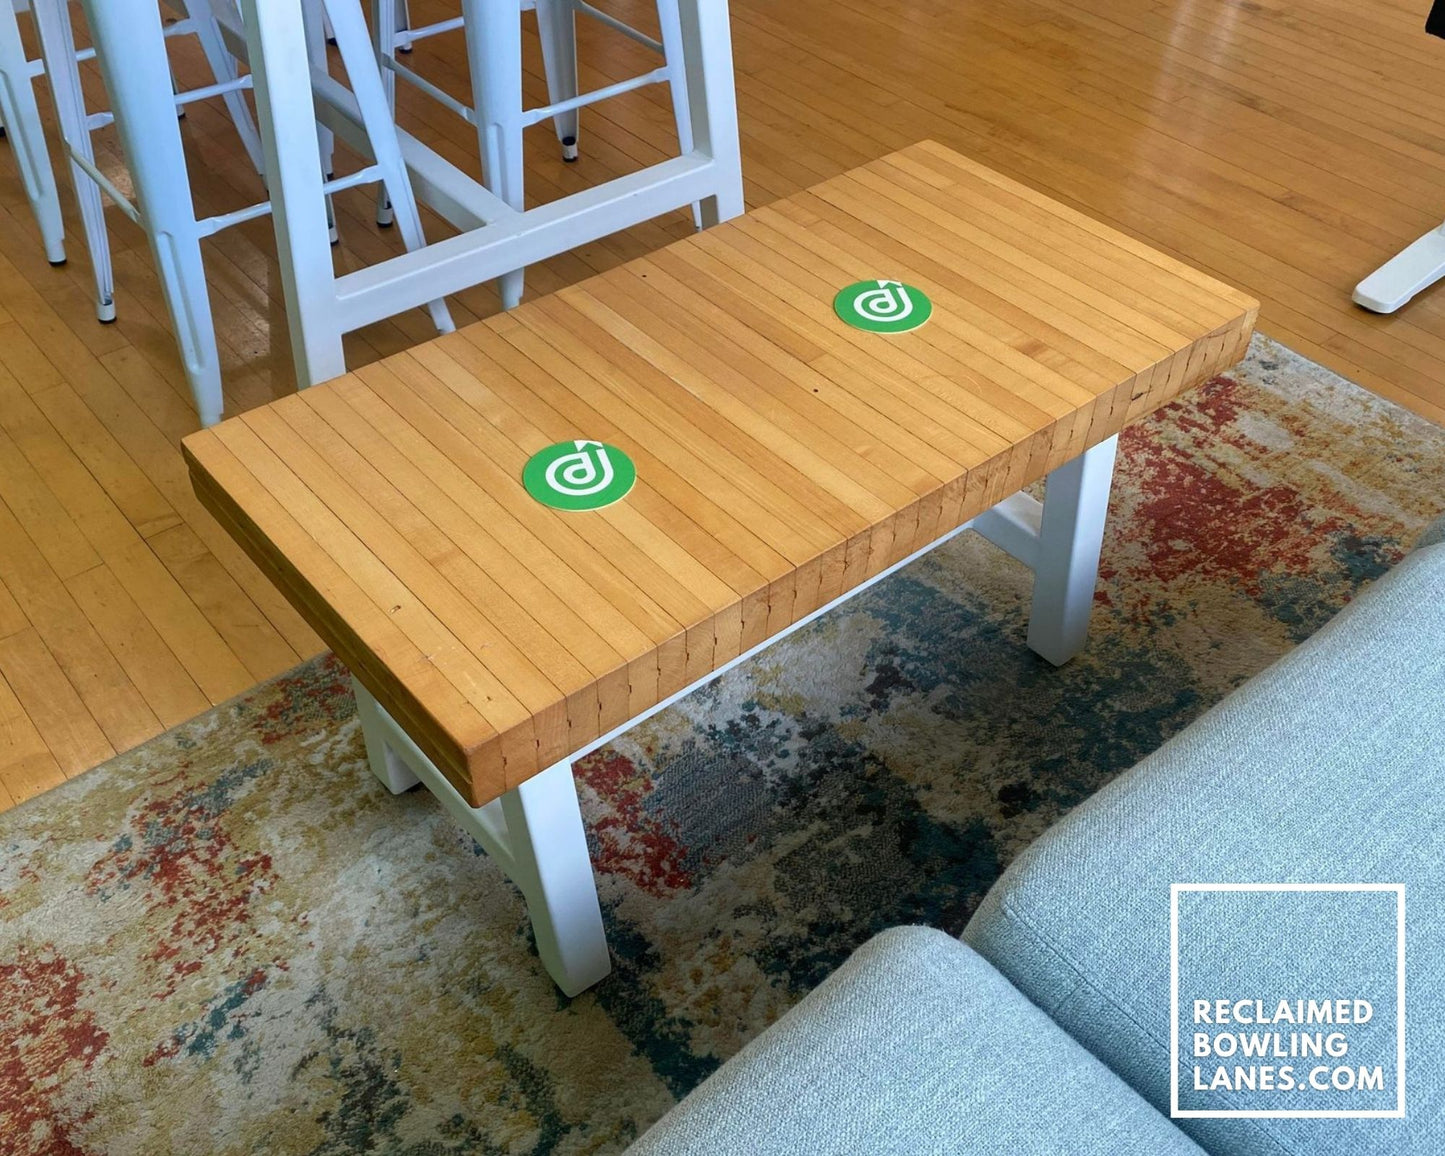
[(791, 445)]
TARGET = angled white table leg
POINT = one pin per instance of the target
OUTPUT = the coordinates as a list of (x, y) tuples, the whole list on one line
[(1059, 539), (1076, 500), (534, 833)]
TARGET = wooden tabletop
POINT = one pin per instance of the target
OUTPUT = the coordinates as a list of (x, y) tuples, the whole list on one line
[(782, 456)]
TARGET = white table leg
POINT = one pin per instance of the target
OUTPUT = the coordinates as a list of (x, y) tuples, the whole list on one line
[(534, 833), (1076, 500), (385, 763), (552, 867)]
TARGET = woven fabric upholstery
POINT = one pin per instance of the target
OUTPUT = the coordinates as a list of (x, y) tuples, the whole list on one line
[(914, 1046), (1328, 767)]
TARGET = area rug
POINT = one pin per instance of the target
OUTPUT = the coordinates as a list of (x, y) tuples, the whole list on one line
[(233, 941)]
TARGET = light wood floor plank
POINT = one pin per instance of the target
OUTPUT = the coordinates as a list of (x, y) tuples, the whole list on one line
[(70, 734)]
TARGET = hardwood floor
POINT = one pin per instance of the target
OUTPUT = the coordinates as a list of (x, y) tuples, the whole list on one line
[(1286, 146)]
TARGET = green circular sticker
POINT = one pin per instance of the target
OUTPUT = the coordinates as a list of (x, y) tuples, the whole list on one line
[(579, 475), (883, 306)]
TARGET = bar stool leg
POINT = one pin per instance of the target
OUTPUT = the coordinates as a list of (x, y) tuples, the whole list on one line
[(57, 47), (130, 48), (1076, 500), (357, 53), (385, 16), (22, 120), (280, 64), (314, 17), (223, 69), (557, 29), (669, 20), (494, 54), (712, 101)]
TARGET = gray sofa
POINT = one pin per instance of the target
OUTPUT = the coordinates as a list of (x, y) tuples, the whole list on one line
[(1047, 1029)]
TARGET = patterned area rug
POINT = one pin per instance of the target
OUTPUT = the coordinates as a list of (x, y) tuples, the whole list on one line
[(233, 941)]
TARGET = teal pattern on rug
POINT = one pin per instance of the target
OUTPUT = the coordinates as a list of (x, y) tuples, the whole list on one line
[(232, 940)]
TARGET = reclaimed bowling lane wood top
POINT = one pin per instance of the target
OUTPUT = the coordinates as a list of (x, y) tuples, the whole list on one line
[(782, 456)]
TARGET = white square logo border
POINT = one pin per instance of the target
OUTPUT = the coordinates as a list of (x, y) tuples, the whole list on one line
[(1176, 1113)]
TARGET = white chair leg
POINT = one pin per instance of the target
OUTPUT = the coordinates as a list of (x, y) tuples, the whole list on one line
[(57, 47), (402, 23), (280, 62), (669, 20), (557, 29), (188, 300), (314, 17), (27, 138), (712, 101), (1076, 500), (494, 54), (130, 49)]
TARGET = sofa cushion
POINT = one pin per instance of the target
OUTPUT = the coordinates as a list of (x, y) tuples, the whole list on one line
[(914, 1046), (1328, 767)]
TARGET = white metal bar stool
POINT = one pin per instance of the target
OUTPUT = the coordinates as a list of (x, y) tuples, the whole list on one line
[(60, 60), (21, 118), (494, 58), (495, 237), (130, 48)]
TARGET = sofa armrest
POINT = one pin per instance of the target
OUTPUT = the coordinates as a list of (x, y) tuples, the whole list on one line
[(915, 1045), (1329, 767)]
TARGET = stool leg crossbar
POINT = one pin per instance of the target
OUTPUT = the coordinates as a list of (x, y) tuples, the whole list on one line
[(535, 832)]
